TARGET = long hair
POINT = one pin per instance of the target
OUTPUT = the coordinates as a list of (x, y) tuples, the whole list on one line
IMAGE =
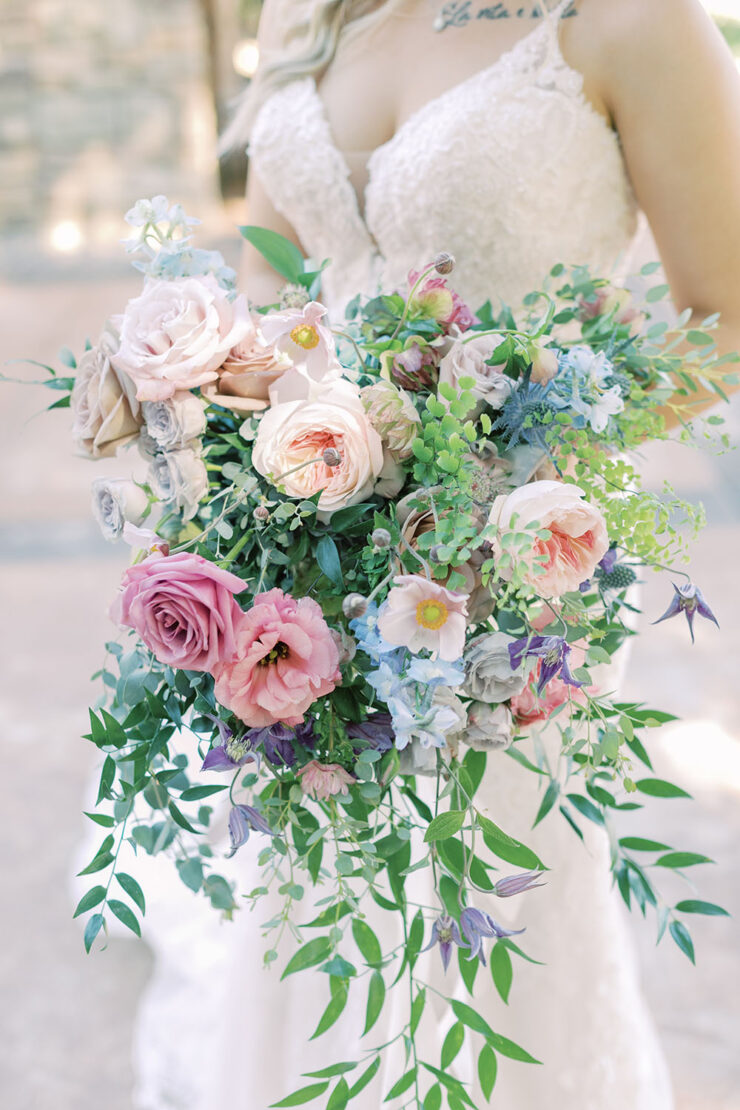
[(317, 29)]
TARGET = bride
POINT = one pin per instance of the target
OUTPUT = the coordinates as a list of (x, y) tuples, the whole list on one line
[(514, 136)]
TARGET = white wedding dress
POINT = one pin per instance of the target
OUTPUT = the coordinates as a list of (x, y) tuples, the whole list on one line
[(511, 171)]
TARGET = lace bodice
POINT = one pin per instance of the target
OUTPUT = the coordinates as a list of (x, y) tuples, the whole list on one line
[(511, 170)]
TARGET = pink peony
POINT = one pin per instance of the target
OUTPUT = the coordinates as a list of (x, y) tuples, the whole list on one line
[(419, 613), (529, 707), (286, 658), (322, 780), (578, 539), (182, 607)]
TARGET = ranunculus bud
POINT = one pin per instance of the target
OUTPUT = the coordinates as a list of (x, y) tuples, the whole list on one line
[(444, 263), (381, 537), (261, 514), (393, 415), (354, 605), (331, 456)]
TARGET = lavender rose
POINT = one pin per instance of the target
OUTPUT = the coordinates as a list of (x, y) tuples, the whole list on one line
[(488, 672), (116, 501), (174, 423), (469, 359), (182, 607), (177, 334), (180, 477), (490, 728)]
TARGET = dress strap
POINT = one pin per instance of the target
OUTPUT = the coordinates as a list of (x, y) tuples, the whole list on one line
[(553, 15)]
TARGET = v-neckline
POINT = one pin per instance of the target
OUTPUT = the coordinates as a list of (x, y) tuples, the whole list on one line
[(361, 199)]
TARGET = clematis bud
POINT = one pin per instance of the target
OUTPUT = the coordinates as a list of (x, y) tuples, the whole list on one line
[(331, 457), (261, 514), (381, 537), (354, 605), (444, 263)]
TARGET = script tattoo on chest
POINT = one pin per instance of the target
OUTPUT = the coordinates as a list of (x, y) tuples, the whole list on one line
[(459, 13)]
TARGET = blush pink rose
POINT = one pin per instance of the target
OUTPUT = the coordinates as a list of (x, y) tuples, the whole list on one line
[(286, 658), (177, 334), (578, 538), (182, 607)]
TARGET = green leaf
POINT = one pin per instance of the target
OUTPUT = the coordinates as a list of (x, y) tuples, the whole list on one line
[(375, 1000), (445, 825), (433, 1100), (468, 969), (417, 1009), (180, 819), (638, 844), (551, 796), (329, 1073), (284, 257), (699, 338), (196, 793), (487, 1070), (367, 942), (407, 1080), (93, 927), (512, 1050), (657, 293), (308, 955), (682, 937), (305, 1094), (679, 860), (125, 915), (191, 872), (507, 848), (107, 775), (468, 1016), (114, 732), (586, 808), (695, 905), (93, 898), (334, 1009), (367, 1077), (102, 819), (132, 888), (339, 1096), (327, 556), (452, 1044), (502, 970), (658, 788)]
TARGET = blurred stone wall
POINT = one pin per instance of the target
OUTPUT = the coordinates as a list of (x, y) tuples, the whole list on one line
[(100, 103)]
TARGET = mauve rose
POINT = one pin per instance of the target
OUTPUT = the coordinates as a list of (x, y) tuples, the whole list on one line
[(176, 335), (490, 728), (116, 501), (173, 423), (469, 359), (183, 608), (294, 435), (180, 478), (104, 407), (578, 539), (488, 673)]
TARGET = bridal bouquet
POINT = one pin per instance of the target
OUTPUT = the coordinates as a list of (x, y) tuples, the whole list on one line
[(368, 561)]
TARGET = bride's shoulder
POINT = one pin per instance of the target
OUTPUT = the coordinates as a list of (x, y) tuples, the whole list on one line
[(281, 23)]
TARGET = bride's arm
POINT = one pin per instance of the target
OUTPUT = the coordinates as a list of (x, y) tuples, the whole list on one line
[(673, 91)]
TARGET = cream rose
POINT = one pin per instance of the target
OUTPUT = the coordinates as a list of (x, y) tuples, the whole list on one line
[(105, 410), (177, 334), (294, 435), (180, 477), (176, 422), (577, 543), (469, 359), (246, 376)]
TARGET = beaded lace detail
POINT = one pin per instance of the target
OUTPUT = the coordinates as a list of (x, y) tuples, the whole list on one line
[(512, 170)]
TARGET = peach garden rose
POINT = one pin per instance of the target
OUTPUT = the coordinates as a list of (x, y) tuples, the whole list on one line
[(578, 538)]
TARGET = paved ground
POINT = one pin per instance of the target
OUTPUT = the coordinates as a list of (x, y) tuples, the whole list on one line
[(65, 1021)]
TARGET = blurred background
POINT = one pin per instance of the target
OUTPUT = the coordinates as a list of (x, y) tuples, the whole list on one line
[(101, 104)]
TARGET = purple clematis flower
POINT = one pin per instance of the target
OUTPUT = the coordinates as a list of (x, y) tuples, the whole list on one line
[(552, 650), (476, 925), (688, 599), (517, 884), (231, 753), (607, 563), (277, 742), (376, 731), (445, 933), (241, 819)]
